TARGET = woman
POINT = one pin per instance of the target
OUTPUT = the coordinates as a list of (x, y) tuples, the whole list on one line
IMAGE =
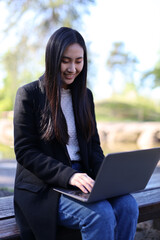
[(57, 144)]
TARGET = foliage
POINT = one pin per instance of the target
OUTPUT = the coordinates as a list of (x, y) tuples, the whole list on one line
[(118, 109), (33, 22), (6, 152), (154, 74), (120, 60), (43, 17), (16, 75)]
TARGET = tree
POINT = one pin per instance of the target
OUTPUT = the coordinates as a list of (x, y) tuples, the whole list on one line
[(33, 22), (16, 75), (38, 19), (153, 75), (123, 62)]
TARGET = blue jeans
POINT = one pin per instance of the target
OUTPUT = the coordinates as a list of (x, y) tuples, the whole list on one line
[(112, 219)]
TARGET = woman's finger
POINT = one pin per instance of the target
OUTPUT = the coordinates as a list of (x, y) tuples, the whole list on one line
[(82, 181)]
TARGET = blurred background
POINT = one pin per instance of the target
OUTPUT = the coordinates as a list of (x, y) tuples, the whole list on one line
[(123, 41)]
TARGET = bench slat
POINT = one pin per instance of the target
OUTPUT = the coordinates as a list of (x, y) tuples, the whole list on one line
[(149, 212), (9, 230), (147, 197), (148, 202), (8, 227), (6, 207)]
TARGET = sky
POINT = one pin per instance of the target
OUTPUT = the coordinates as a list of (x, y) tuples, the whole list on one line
[(134, 22)]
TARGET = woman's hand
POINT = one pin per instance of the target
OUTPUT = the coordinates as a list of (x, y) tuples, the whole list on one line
[(82, 181)]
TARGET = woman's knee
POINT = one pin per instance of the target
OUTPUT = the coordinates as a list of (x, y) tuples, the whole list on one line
[(102, 223), (98, 226), (131, 206), (126, 205), (103, 212)]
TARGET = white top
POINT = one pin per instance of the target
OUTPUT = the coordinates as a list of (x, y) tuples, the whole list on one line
[(67, 108)]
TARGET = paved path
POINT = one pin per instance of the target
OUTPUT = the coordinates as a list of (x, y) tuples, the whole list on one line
[(7, 173)]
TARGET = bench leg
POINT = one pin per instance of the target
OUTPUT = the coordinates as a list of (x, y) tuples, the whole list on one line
[(156, 224)]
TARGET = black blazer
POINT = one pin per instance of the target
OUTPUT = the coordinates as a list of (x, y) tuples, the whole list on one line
[(43, 165)]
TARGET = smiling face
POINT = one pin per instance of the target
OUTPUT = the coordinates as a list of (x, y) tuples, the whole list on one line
[(71, 64)]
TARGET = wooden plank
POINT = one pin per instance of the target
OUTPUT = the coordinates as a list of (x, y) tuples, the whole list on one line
[(149, 204), (8, 227), (149, 212), (6, 207), (147, 197), (148, 201), (144, 198), (9, 230)]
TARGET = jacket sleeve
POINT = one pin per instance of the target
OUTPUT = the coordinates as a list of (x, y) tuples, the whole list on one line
[(97, 155), (26, 144)]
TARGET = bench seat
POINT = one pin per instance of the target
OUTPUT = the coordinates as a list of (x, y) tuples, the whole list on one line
[(148, 201)]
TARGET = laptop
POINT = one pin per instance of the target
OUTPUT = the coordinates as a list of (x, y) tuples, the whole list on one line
[(120, 173)]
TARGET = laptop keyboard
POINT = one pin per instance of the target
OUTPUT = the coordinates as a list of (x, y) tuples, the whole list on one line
[(79, 193)]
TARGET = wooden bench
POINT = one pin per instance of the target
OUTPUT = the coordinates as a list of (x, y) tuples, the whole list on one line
[(148, 201)]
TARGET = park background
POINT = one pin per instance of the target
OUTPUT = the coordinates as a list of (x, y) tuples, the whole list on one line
[(123, 41)]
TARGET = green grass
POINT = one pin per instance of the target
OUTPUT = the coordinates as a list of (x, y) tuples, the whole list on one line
[(6, 152), (122, 110)]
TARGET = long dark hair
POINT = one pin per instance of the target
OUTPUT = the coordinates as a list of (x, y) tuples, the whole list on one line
[(53, 120)]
